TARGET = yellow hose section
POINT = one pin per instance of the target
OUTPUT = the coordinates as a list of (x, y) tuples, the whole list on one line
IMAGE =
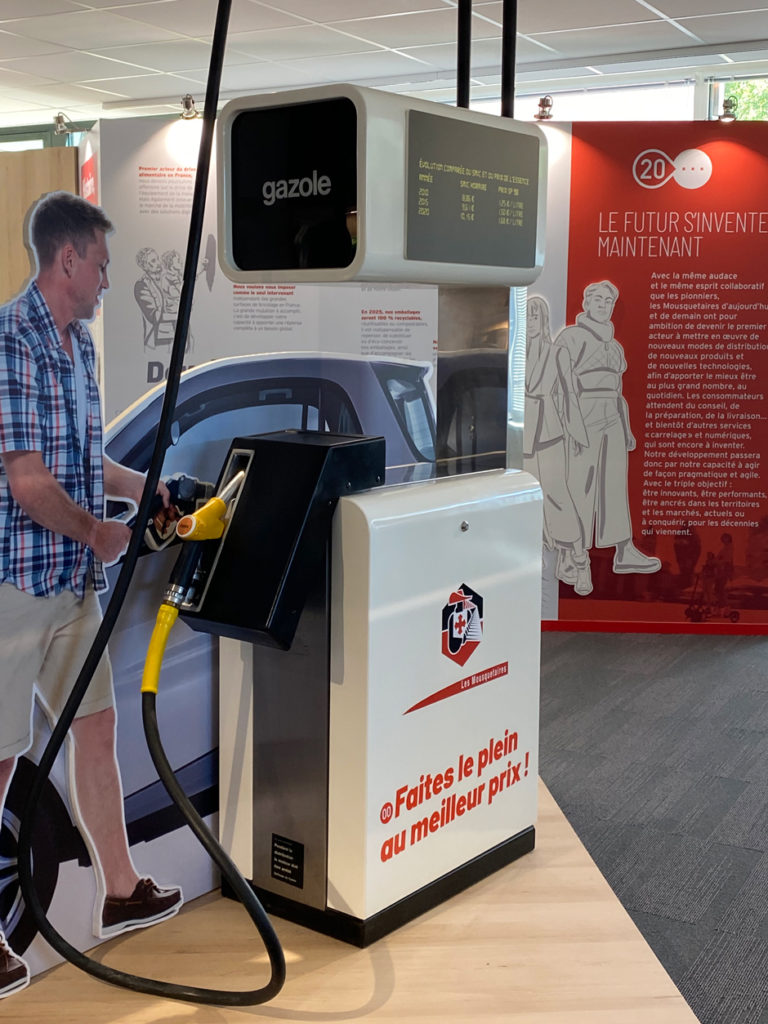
[(166, 616)]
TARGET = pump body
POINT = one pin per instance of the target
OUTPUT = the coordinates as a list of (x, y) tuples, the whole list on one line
[(389, 758)]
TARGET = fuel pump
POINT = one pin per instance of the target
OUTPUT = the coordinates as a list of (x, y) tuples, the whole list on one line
[(387, 644)]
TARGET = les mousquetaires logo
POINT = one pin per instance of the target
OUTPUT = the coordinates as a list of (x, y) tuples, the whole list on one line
[(462, 624)]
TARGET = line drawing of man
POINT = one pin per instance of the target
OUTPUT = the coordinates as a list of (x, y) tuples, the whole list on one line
[(597, 471), (53, 479), (552, 417), (171, 283), (148, 292)]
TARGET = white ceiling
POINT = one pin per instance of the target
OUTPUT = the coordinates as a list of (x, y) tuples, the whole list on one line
[(116, 58)]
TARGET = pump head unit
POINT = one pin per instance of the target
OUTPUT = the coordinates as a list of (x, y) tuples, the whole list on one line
[(342, 183)]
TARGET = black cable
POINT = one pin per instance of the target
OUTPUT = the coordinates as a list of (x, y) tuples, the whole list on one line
[(240, 887), (60, 730), (463, 51), (508, 56)]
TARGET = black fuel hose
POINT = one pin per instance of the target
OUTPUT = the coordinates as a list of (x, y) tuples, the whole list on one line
[(136, 983)]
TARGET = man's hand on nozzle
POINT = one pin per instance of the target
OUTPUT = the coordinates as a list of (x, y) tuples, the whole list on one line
[(109, 540), (185, 494)]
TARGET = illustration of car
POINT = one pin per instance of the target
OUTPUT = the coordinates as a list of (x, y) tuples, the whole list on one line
[(217, 401)]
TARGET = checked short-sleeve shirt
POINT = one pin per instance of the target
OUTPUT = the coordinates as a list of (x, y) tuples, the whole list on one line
[(38, 412)]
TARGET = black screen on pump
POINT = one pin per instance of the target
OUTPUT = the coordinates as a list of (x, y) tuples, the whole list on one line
[(293, 185), (472, 193)]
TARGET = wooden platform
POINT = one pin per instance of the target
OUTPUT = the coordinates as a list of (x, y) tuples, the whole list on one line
[(544, 941)]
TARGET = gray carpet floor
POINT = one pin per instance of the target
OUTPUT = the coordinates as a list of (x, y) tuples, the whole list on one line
[(656, 749)]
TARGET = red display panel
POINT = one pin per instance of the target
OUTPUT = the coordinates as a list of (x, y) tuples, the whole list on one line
[(660, 377)]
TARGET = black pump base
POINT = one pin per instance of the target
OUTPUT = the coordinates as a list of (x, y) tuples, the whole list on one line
[(362, 933)]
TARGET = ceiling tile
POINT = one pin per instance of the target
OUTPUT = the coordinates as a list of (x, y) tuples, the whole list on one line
[(359, 66), (73, 67), (149, 48), (61, 96), (346, 10), (729, 28), (10, 79), (426, 28), (86, 29), (11, 103), (35, 8), (486, 53), (174, 55), (150, 86), (523, 76), (534, 16), (12, 45), (296, 43), (198, 17), (264, 75), (589, 43), (690, 8)]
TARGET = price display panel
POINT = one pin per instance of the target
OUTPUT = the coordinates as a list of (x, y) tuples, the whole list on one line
[(472, 193)]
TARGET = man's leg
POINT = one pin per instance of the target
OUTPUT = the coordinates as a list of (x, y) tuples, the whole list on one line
[(24, 627), (125, 900), (129, 901), (14, 973), (99, 796)]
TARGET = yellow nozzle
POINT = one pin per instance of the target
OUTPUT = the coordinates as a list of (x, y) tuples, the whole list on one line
[(205, 524), (166, 616)]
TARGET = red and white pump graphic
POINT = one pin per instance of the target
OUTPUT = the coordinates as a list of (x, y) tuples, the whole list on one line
[(462, 624)]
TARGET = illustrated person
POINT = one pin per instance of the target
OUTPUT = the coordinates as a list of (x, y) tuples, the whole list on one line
[(597, 469), (148, 292), (551, 416), (53, 478), (171, 283)]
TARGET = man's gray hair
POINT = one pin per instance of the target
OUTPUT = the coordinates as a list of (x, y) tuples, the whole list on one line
[(62, 217)]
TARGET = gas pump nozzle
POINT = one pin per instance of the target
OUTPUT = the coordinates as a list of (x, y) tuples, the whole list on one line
[(205, 524)]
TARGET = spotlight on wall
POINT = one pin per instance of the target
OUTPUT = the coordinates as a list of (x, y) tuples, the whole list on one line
[(188, 111), (729, 110), (62, 125), (544, 113)]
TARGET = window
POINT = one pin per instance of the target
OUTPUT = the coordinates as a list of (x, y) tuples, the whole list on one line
[(668, 102), (750, 94)]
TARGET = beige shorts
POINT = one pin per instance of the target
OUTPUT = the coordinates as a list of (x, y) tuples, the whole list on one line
[(43, 644)]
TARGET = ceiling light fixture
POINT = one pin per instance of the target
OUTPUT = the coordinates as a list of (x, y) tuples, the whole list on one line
[(544, 113), (729, 110), (62, 125), (188, 111)]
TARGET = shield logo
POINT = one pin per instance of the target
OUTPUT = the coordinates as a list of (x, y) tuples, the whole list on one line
[(462, 624)]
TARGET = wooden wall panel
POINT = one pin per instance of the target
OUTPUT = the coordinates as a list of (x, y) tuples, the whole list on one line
[(24, 177)]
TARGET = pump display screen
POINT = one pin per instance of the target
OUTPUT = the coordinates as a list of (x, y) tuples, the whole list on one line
[(293, 175), (472, 193)]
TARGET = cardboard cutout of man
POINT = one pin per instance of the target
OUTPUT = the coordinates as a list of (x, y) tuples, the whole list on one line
[(53, 479)]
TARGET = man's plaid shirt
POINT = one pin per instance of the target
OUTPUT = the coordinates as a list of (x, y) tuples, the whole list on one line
[(38, 413)]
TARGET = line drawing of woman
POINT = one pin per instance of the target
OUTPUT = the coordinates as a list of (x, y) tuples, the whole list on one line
[(551, 417)]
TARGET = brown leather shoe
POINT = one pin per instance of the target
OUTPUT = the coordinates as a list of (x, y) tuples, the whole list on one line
[(147, 904), (14, 973)]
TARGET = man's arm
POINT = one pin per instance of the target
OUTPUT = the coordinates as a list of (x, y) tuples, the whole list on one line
[(121, 482), (46, 502)]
